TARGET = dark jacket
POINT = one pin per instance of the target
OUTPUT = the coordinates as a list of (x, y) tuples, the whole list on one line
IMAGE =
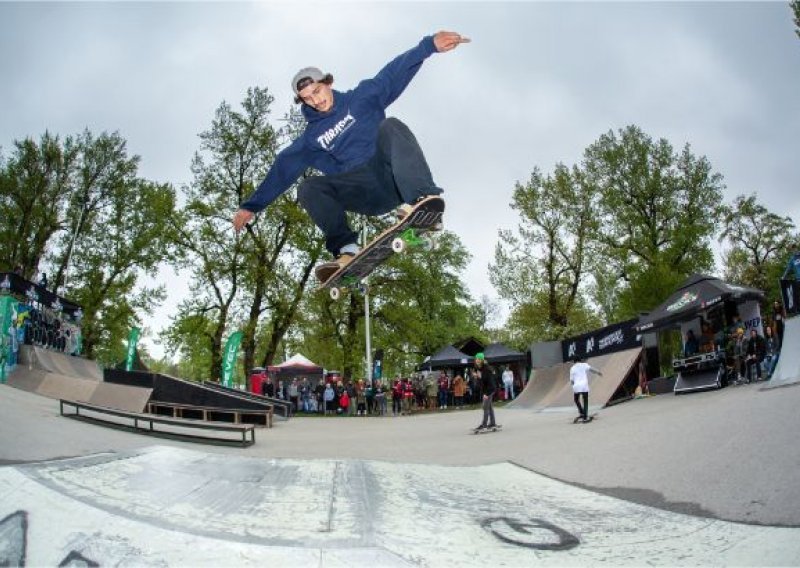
[(488, 380)]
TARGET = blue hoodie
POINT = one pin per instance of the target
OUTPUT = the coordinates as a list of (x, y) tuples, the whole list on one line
[(344, 137)]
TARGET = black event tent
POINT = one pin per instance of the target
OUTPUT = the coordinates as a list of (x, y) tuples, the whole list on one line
[(446, 357), (498, 353), (697, 294)]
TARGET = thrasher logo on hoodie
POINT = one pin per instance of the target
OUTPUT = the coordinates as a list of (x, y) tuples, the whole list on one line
[(326, 138)]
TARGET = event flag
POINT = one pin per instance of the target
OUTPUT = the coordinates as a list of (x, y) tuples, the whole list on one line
[(133, 340), (229, 360)]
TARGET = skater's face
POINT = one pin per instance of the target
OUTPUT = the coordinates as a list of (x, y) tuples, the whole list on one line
[(318, 96)]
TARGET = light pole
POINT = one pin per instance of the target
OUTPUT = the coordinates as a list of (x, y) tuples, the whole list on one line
[(365, 288)]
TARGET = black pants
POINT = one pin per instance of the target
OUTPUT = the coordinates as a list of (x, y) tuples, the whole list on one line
[(397, 173), (751, 364), (583, 409)]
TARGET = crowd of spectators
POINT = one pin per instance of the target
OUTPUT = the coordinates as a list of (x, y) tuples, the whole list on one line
[(399, 396), (748, 356)]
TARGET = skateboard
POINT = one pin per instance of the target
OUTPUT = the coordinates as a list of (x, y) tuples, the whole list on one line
[(589, 419), (484, 430), (413, 231)]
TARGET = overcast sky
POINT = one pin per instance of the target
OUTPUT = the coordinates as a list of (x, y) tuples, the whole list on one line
[(537, 85)]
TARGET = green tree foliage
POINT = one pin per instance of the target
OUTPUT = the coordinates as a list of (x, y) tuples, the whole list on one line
[(795, 5), (759, 243), (541, 269), (78, 206), (418, 304), (35, 185), (253, 281), (656, 215), (127, 239)]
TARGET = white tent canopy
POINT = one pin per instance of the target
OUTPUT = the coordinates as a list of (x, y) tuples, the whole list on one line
[(297, 360)]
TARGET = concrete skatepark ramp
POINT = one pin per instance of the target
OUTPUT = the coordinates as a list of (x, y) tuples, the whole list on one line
[(549, 388), (787, 371), (56, 362), (223, 510), (55, 375)]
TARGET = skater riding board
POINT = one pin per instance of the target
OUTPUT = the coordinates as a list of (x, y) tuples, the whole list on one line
[(488, 429), (582, 421), (409, 232)]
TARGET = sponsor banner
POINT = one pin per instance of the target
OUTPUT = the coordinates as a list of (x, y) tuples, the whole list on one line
[(751, 316), (229, 358), (8, 314), (377, 365), (133, 340), (790, 290), (35, 294), (612, 338)]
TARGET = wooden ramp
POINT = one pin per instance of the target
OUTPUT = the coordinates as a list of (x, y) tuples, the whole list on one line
[(549, 388), (58, 376)]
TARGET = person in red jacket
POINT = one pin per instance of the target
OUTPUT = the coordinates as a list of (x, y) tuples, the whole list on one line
[(408, 395), (397, 397)]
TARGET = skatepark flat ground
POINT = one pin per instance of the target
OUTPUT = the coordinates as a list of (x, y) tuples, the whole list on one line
[(730, 454), (700, 479)]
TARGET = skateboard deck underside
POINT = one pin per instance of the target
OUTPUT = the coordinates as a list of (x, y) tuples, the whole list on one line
[(427, 214)]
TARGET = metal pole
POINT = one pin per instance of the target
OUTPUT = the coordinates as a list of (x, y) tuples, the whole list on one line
[(71, 250), (368, 359)]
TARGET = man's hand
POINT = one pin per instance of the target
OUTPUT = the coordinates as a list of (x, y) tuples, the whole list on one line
[(445, 41), (242, 218)]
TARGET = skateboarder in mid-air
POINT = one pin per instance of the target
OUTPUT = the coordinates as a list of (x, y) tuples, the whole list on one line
[(372, 164)]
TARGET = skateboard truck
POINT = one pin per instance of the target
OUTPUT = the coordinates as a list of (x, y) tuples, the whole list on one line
[(411, 237)]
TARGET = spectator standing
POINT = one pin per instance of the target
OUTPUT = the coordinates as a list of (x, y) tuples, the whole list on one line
[(397, 397), (305, 395), (294, 395), (691, 346), (319, 396), (459, 389), (508, 383), (344, 402), (756, 351), (443, 386), (43, 280), (408, 395), (380, 399), (771, 352), (778, 320), (361, 398), (370, 396), (328, 398), (739, 353)]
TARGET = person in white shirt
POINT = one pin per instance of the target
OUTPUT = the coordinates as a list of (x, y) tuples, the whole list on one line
[(579, 378), (508, 383)]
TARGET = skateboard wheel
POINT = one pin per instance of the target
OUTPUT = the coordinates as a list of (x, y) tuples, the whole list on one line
[(398, 245), (335, 293)]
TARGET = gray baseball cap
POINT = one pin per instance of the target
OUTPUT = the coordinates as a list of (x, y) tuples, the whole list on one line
[(305, 77)]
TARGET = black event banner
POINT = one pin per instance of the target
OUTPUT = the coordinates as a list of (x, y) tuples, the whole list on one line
[(11, 283), (609, 339), (791, 296)]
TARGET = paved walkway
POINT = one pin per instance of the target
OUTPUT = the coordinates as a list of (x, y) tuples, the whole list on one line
[(665, 480)]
